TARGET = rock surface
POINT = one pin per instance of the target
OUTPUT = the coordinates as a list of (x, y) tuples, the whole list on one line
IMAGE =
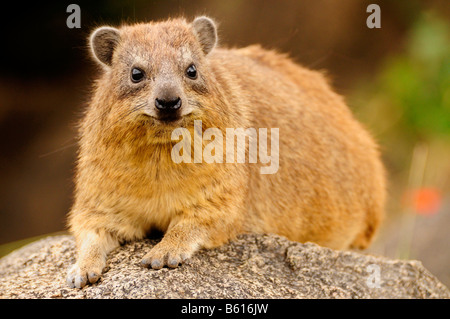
[(253, 266)]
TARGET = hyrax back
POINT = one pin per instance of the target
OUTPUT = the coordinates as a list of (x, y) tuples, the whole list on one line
[(328, 185)]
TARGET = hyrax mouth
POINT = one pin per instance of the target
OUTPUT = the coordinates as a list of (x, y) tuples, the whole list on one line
[(169, 118)]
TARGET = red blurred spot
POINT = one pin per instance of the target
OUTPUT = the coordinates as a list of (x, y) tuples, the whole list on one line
[(424, 201)]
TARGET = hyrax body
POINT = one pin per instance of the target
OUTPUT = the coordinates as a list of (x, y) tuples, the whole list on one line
[(329, 187)]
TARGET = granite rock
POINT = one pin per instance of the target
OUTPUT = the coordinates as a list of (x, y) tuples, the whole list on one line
[(252, 266)]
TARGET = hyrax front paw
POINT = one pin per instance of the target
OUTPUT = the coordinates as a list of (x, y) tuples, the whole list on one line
[(79, 276), (165, 255)]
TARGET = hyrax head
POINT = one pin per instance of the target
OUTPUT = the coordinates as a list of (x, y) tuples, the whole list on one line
[(157, 69)]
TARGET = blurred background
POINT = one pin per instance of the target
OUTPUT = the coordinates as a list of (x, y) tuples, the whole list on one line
[(396, 80)]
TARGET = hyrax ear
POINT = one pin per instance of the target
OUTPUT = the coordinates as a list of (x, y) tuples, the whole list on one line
[(206, 32), (103, 41)]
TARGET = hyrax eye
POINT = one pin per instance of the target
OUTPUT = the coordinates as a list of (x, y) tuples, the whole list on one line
[(191, 72), (137, 75)]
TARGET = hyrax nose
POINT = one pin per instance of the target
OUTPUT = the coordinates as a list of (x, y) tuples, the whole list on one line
[(168, 104)]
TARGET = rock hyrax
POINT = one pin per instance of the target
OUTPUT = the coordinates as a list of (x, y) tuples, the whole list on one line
[(328, 185)]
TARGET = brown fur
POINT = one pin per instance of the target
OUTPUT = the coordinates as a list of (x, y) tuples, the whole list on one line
[(329, 188)]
